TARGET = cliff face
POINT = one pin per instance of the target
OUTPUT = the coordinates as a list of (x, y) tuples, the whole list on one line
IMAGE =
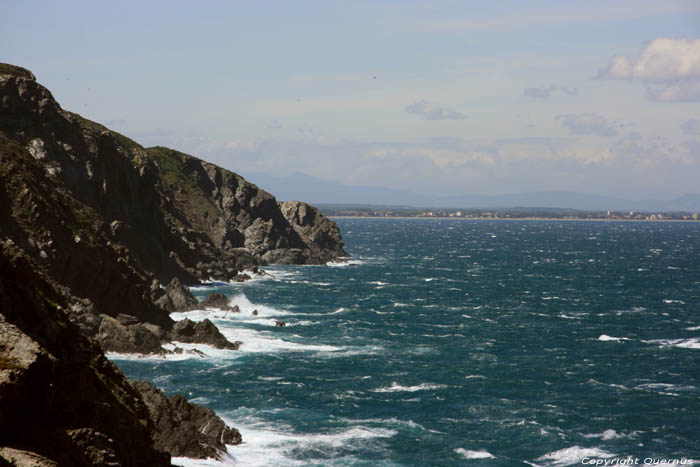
[(60, 397), (110, 220), (178, 216), (91, 225)]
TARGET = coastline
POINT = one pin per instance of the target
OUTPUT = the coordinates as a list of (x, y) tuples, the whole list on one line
[(512, 219)]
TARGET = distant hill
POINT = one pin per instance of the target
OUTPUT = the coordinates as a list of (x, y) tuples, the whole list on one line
[(317, 190)]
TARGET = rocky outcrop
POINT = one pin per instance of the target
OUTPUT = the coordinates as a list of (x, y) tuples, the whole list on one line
[(115, 335), (315, 229), (203, 332), (217, 300), (111, 220), (184, 429), (174, 214), (177, 297), (63, 402)]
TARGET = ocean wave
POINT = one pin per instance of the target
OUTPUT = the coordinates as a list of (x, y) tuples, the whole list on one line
[(692, 343), (573, 455), (340, 264), (609, 434), (605, 337), (264, 445), (396, 387), (469, 454), (244, 304)]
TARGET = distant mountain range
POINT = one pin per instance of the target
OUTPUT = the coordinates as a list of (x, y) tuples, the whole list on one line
[(304, 187)]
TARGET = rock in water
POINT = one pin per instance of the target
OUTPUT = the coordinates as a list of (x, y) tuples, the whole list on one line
[(184, 429), (216, 300), (203, 332)]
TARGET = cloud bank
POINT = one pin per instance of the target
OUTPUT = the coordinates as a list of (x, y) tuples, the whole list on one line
[(691, 127), (588, 124), (668, 68), (545, 93), (433, 111)]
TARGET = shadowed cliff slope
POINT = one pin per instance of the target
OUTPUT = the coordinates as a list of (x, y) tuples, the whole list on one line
[(178, 215)]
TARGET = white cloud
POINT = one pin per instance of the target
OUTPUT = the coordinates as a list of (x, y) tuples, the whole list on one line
[(588, 124), (432, 111), (544, 93), (691, 127), (669, 68)]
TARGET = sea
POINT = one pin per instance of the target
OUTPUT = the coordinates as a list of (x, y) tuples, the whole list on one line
[(459, 342)]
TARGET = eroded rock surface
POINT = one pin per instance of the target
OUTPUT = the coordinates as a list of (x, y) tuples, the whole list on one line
[(185, 429)]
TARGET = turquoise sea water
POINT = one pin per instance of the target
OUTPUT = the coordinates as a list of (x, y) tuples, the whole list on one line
[(451, 342)]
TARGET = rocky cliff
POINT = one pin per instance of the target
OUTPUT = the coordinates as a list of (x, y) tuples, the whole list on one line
[(61, 401), (92, 227), (177, 215), (112, 220)]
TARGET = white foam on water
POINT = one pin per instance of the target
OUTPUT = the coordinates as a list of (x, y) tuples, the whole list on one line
[(605, 337), (693, 328), (670, 300), (339, 310), (692, 343), (246, 306), (469, 454), (265, 446), (573, 455), (664, 388), (267, 342), (226, 459), (396, 387), (208, 351), (606, 435), (341, 264)]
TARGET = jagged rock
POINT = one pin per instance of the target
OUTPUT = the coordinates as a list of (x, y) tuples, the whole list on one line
[(183, 429), (216, 300), (203, 332), (240, 278), (177, 297), (116, 336), (61, 400), (316, 230), (255, 312), (280, 324)]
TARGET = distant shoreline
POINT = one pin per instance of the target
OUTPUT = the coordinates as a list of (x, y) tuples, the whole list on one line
[(512, 219)]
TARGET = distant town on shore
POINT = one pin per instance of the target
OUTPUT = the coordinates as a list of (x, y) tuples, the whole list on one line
[(504, 213)]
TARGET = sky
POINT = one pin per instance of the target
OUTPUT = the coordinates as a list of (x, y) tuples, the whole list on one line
[(440, 97)]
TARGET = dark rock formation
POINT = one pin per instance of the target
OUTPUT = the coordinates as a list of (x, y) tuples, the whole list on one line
[(62, 400), (116, 336), (280, 324), (110, 219), (217, 300), (203, 332), (185, 429), (177, 297)]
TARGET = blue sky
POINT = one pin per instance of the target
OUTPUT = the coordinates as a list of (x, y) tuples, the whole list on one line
[(443, 97)]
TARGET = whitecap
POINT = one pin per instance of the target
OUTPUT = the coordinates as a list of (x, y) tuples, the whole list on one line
[(606, 435), (395, 387), (573, 455), (671, 300), (693, 328), (469, 454), (605, 337), (267, 342), (246, 311), (692, 343), (263, 445), (344, 263)]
